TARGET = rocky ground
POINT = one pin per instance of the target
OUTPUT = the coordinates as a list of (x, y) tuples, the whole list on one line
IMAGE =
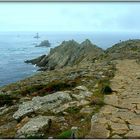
[(54, 103)]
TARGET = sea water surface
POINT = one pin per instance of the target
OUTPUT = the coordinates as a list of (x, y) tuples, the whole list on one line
[(16, 47)]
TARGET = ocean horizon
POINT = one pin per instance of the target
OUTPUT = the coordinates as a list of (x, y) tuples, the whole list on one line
[(16, 47)]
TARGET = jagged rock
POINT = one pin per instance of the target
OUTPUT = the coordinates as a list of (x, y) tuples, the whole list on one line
[(46, 103), (35, 128), (68, 53)]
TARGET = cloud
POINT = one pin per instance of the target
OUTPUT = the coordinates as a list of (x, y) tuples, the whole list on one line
[(68, 16)]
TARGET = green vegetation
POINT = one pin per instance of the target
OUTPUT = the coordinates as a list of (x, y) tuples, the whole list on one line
[(42, 90), (74, 109), (104, 86), (6, 99), (65, 135)]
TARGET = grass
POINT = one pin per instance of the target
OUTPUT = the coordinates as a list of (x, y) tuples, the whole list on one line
[(42, 90), (65, 134), (73, 110)]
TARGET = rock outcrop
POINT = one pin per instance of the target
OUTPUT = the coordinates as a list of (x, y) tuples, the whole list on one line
[(44, 104), (35, 127), (44, 43), (129, 49), (69, 53)]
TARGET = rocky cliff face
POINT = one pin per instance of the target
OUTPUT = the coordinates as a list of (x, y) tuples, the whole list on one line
[(69, 53)]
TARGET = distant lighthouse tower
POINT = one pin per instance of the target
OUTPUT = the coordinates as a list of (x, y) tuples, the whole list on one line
[(37, 36)]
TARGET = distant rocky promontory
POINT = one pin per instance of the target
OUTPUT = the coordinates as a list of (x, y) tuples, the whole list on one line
[(68, 53), (44, 43)]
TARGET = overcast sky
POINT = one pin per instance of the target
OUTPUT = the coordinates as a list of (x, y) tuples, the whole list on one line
[(80, 16)]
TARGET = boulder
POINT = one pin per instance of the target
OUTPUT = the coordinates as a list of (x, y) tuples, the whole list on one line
[(81, 92), (35, 128), (46, 103)]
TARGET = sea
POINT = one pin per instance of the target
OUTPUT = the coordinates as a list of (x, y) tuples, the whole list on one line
[(16, 47)]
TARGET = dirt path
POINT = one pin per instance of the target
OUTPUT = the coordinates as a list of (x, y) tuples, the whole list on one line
[(120, 117)]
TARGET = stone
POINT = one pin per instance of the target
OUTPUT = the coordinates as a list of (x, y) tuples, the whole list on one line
[(42, 104), (22, 122), (118, 128), (124, 114), (64, 107), (108, 109), (99, 131), (135, 121), (132, 100), (34, 128), (133, 134), (138, 106), (82, 88), (134, 127), (82, 95), (116, 120), (126, 104), (5, 109), (86, 110), (116, 137), (111, 99)]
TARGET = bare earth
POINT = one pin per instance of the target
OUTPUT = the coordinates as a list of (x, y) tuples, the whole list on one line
[(120, 117)]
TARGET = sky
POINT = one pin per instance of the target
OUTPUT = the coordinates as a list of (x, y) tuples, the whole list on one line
[(70, 16)]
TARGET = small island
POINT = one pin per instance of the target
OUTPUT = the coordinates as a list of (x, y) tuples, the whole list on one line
[(44, 43)]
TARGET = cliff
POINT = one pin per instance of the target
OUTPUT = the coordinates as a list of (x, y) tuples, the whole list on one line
[(68, 53)]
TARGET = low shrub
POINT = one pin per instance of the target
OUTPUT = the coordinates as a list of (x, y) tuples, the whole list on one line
[(6, 99)]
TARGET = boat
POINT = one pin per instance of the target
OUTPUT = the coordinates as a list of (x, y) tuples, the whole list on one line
[(37, 36)]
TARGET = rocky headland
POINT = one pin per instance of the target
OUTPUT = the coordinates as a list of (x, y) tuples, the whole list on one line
[(82, 92), (44, 43), (68, 53)]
